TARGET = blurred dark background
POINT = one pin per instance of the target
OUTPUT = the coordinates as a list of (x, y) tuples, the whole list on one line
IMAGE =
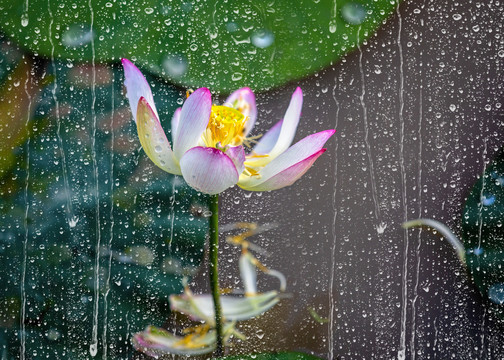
[(421, 101)]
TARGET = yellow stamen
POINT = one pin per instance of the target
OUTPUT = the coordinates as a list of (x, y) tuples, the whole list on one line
[(246, 225), (259, 265), (240, 238), (226, 127), (193, 340), (255, 156), (241, 105), (251, 139), (199, 329)]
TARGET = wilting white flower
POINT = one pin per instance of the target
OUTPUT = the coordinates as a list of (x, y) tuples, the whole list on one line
[(201, 339)]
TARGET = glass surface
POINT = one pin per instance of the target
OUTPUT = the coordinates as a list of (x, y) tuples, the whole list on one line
[(418, 112)]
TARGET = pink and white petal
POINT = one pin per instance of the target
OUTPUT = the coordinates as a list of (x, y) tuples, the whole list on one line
[(245, 95), (194, 118), (153, 138), (246, 308), (268, 140), (301, 150), (237, 155), (288, 176), (297, 152), (208, 170), (157, 342), (136, 87), (248, 273), (289, 125), (197, 307), (175, 122)]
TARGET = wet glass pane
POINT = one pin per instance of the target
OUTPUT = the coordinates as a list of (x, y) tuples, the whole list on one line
[(106, 223)]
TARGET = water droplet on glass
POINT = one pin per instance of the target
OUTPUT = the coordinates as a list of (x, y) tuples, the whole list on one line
[(488, 200), (476, 28), (457, 17), (175, 65), (158, 148), (262, 38), (72, 222), (488, 107), (333, 26), (476, 251), (401, 355), (93, 349), (171, 266), (186, 7), (141, 255), (77, 35), (212, 31), (24, 20), (453, 107), (149, 11), (53, 334), (237, 76), (501, 53), (380, 228), (232, 27), (166, 10), (193, 47), (353, 13), (496, 293)]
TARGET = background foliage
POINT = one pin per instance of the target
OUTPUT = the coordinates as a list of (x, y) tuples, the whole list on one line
[(151, 225), (483, 233)]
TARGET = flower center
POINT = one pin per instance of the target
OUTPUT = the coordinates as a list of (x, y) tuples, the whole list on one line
[(226, 127)]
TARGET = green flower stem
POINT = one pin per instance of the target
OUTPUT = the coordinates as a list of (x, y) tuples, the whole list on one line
[(213, 271)]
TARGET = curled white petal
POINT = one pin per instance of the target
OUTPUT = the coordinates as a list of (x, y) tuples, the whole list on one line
[(248, 273), (444, 230)]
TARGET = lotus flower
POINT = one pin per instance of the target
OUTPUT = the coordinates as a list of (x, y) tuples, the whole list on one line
[(208, 140)]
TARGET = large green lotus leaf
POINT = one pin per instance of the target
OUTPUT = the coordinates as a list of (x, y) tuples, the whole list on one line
[(483, 233), (151, 228), (273, 356), (218, 44)]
